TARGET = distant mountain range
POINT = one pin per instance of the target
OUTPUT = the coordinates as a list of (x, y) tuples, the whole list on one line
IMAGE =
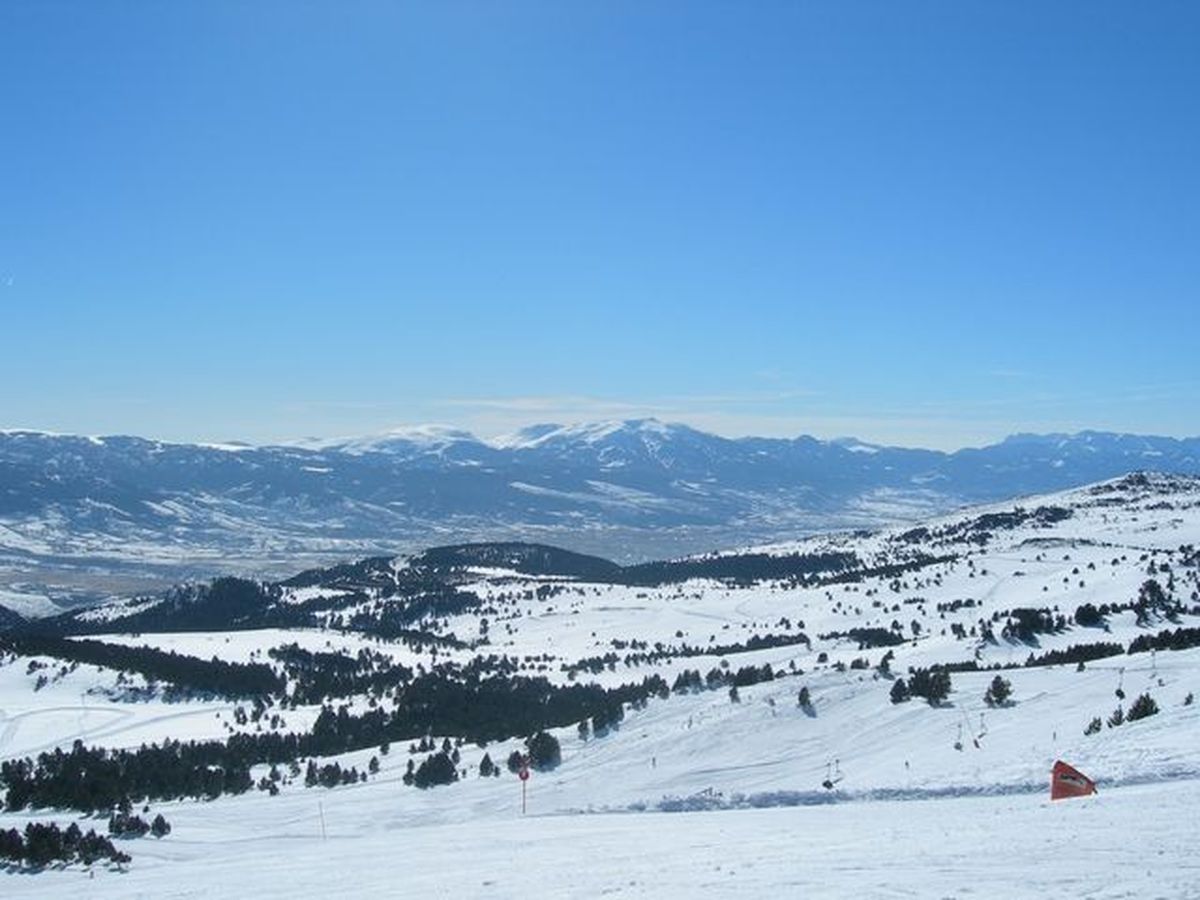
[(87, 514)]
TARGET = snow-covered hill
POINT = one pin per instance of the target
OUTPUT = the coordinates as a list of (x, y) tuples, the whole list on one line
[(87, 517), (1078, 600)]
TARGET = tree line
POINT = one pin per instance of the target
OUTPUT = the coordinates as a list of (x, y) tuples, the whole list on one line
[(96, 779), (190, 673)]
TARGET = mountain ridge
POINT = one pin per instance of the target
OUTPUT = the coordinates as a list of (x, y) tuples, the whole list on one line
[(81, 515)]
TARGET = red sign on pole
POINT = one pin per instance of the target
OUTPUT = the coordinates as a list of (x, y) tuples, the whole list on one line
[(523, 774)]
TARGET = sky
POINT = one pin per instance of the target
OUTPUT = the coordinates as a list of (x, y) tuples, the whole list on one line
[(921, 223)]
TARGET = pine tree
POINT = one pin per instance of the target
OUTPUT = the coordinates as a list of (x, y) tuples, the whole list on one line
[(12, 845), (998, 692), (899, 692), (43, 844), (160, 827), (1142, 707), (544, 751), (434, 770)]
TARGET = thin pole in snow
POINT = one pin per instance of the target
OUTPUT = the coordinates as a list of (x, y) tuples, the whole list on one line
[(321, 810)]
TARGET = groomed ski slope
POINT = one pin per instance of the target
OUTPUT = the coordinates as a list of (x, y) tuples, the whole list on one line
[(1128, 842), (975, 822)]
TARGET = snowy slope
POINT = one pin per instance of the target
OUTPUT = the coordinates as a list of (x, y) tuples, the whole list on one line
[(696, 794)]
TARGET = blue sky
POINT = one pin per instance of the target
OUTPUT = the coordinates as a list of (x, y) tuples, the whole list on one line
[(920, 223)]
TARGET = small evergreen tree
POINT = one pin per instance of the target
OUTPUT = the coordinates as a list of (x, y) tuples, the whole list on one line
[(121, 824), (486, 766), (804, 699), (1142, 707), (939, 687), (544, 751), (899, 692), (932, 684), (998, 692), (1094, 726), (1117, 718), (434, 770), (43, 844), (12, 845), (160, 827)]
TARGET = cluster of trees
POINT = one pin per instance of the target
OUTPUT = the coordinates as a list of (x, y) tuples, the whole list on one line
[(44, 843), (1076, 653), (607, 718), (423, 601), (933, 684), (222, 605), (689, 680), (1143, 706), (660, 652), (483, 710), (1178, 639), (439, 768), (95, 779), (979, 529), (331, 775), (542, 752), (1089, 616), (314, 676), (740, 569), (189, 673), (1151, 600), (124, 824), (868, 637), (1025, 624)]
